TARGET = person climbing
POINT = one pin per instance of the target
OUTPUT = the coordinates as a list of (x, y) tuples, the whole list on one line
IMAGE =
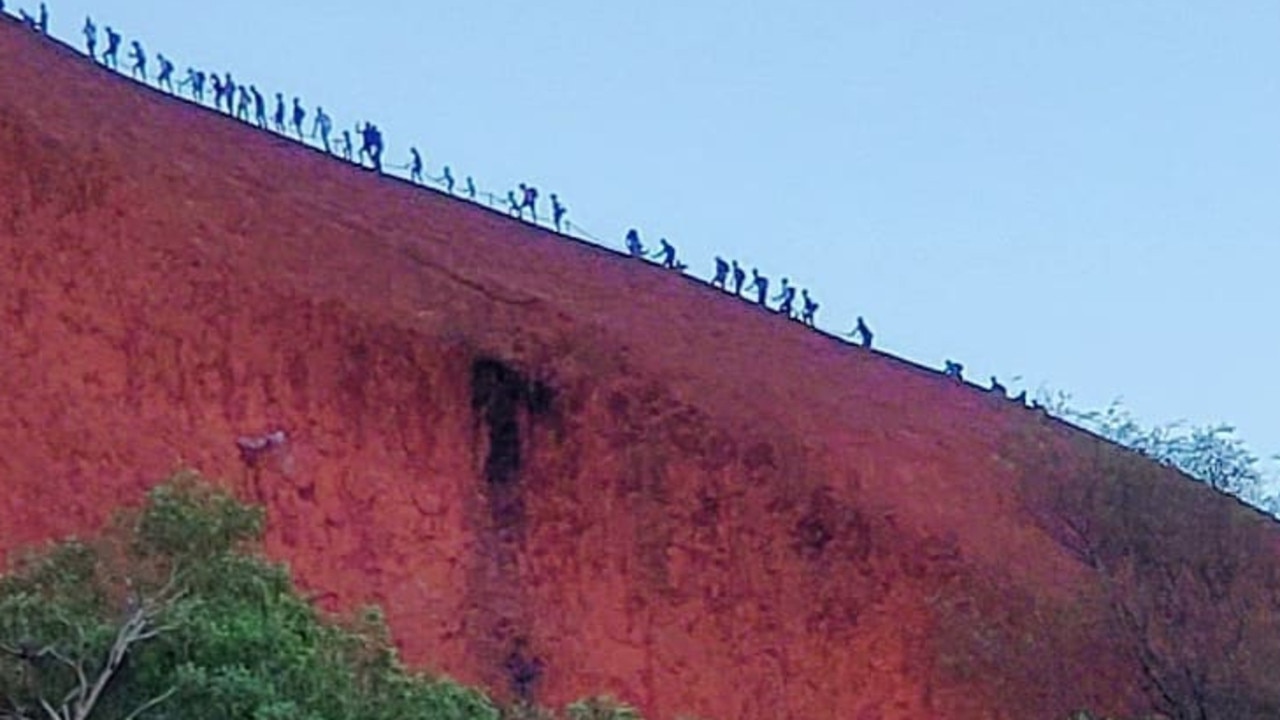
[(787, 296), (471, 188), (447, 178), (344, 146), (194, 80), (215, 82), (862, 332), (722, 273), (42, 24), (415, 166), (761, 285), (634, 247), (278, 117), (323, 125), (244, 104), (810, 309), (954, 370), (109, 56), (229, 90), (91, 37), (739, 277), (299, 115), (376, 147), (531, 202), (665, 254), (997, 388), (259, 107), (165, 78), (139, 61), (557, 212), (515, 208)]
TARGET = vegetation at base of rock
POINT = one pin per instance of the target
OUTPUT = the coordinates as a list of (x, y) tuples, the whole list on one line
[(173, 614)]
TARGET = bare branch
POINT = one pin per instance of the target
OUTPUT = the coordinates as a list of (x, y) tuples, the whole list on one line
[(151, 703)]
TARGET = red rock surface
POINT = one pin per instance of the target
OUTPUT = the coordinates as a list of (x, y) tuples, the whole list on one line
[(714, 512)]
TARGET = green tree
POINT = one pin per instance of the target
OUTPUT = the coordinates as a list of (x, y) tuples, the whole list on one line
[(172, 615)]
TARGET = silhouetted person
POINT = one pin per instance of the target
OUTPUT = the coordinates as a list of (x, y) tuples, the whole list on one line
[(722, 273), (471, 188), (557, 212), (516, 207), (344, 145), (739, 277), (371, 145), (954, 370), (666, 254), (109, 56), (229, 89), (43, 23), (219, 90), (415, 166), (447, 177), (530, 201), (997, 388), (165, 78), (259, 107), (634, 247), (139, 61), (810, 309), (299, 115), (761, 285), (195, 79), (28, 20), (91, 37), (788, 298), (1021, 398), (322, 125), (278, 116), (244, 104), (862, 333)]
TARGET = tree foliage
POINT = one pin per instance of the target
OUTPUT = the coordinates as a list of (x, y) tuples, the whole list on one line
[(1213, 454), (170, 615)]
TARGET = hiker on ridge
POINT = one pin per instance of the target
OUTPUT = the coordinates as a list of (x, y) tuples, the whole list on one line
[(557, 212), (739, 277), (722, 273), (788, 298), (634, 247), (323, 125), (415, 166), (109, 56), (195, 79), (344, 145), (243, 104), (447, 178), (91, 37), (298, 116), (761, 285), (259, 107), (666, 254), (278, 117), (862, 332), (471, 188), (997, 388), (165, 78), (810, 309), (42, 23), (954, 370), (139, 61), (530, 201)]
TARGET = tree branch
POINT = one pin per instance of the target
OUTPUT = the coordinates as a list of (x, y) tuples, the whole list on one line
[(151, 703)]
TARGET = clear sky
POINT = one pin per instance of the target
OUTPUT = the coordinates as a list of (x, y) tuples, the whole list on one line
[(1084, 195)]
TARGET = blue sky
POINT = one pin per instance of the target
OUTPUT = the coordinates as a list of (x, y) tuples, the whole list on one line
[(1082, 195)]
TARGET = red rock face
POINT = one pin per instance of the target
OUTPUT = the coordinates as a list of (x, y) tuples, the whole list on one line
[(560, 471)]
